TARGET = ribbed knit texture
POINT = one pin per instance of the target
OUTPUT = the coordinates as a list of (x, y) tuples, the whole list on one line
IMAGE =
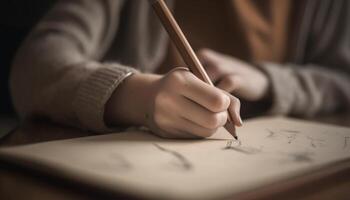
[(93, 94), (282, 93)]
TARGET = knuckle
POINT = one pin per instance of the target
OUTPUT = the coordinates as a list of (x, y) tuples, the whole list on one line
[(236, 101), (177, 76), (220, 102), (215, 120)]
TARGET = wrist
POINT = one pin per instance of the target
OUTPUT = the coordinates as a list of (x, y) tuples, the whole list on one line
[(131, 102), (264, 83)]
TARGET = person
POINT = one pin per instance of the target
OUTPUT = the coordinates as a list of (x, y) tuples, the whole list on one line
[(92, 64)]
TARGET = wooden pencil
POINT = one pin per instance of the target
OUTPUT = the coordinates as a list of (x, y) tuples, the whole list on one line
[(186, 51)]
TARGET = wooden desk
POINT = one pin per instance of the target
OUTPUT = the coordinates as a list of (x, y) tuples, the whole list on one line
[(18, 183)]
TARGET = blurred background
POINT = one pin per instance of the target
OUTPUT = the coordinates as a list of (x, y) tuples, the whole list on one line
[(16, 19)]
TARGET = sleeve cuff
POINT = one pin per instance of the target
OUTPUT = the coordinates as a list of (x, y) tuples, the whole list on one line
[(281, 87), (94, 93)]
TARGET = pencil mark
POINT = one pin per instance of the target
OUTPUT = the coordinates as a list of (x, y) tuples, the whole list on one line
[(302, 157), (184, 163), (271, 134), (115, 163), (230, 143), (123, 163), (291, 137), (290, 131), (346, 141), (236, 145), (315, 142)]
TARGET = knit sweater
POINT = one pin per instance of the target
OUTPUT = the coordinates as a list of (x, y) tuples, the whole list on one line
[(79, 53)]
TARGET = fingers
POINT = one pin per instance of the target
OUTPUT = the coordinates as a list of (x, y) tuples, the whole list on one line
[(189, 127), (179, 127), (209, 56), (168, 125), (186, 129), (176, 133), (234, 84), (230, 83), (186, 107), (234, 109), (199, 115), (205, 95)]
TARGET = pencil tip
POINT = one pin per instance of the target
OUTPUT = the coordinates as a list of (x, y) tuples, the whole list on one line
[(231, 129)]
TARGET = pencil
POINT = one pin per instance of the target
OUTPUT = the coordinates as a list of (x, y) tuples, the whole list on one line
[(186, 51)]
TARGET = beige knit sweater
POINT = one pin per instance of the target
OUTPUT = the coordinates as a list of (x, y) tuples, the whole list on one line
[(78, 54)]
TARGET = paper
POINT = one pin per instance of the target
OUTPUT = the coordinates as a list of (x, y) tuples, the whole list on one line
[(269, 150)]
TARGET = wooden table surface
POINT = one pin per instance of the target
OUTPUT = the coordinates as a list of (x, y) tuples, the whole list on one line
[(19, 183)]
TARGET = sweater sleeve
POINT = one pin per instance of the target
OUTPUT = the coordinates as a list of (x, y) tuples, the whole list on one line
[(319, 80), (56, 72), (307, 90)]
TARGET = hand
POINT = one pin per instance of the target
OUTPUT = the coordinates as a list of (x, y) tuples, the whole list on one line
[(234, 76), (186, 107), (176, 105)]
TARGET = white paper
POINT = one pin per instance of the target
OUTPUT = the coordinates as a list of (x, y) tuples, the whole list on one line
[(269, 150)]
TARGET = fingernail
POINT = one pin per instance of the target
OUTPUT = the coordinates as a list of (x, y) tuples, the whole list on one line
[(240, 121), (238, 117)]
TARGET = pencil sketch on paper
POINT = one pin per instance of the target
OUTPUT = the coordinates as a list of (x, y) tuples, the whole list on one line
[(297, 157), (290, 135), (184, 163), (290, 131), (271, 134), (315, 142), (301, 157), (236, 145), (116, 162)]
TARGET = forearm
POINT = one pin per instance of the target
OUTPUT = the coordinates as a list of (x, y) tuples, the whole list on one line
[(307, 90)]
